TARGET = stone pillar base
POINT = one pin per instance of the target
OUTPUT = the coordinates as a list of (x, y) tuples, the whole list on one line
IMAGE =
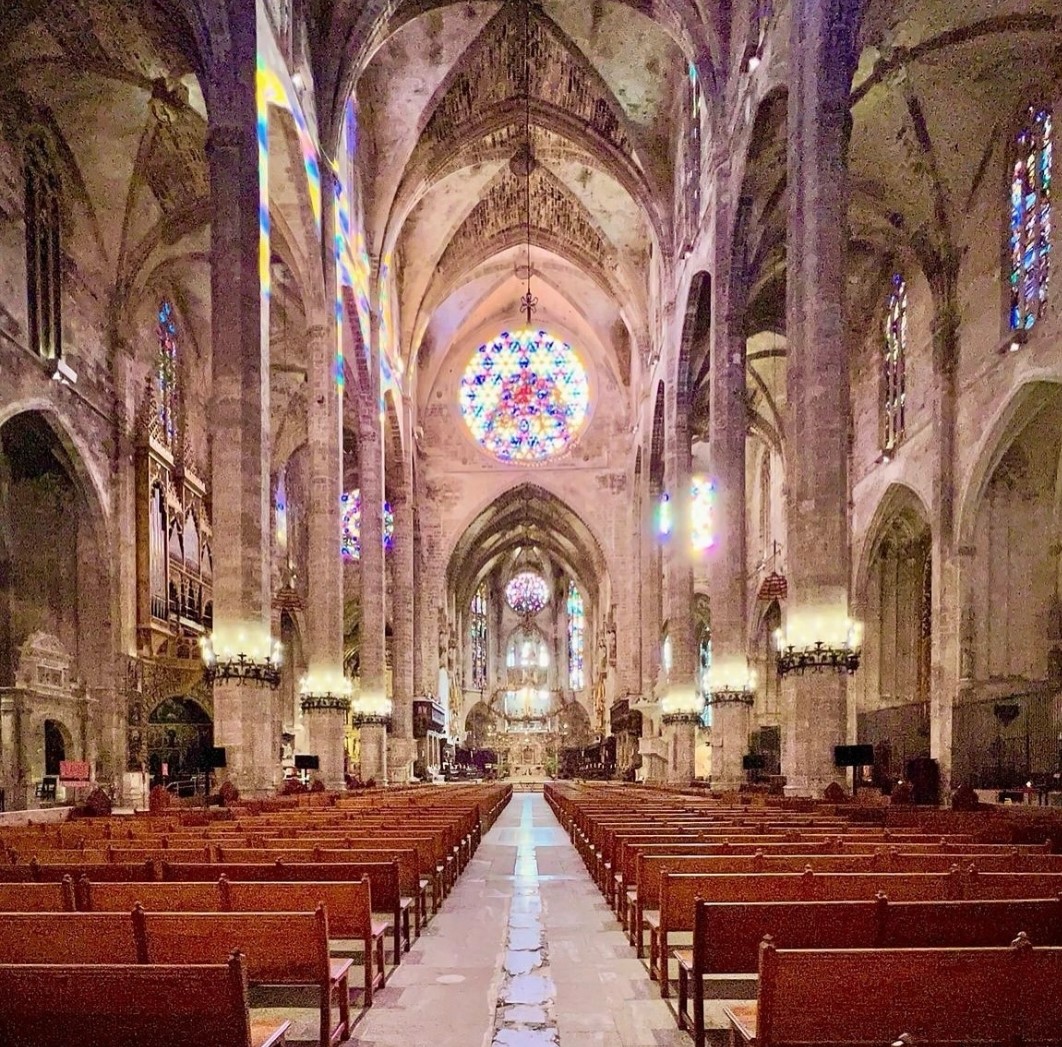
[(374, 754), (730, 742), (682, 752), (400, 755), (818, 705), (324, 739), (243, 726)]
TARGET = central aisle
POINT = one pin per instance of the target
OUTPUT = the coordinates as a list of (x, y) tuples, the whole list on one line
[(525, 953)]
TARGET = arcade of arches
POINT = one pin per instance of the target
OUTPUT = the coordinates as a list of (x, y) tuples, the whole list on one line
[(505, 377)]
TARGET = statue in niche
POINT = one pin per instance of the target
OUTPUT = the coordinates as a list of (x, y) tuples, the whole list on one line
[(612, 640)]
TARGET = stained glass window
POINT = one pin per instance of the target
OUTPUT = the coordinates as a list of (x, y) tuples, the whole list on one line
[(894, 367), (576, 638), (525, 396), (664, 522), (527, 592), (43, 257), (350, 525), (478, 636), (1030, 220), (702, 492), (167, 370), (691, 171), (704, 662)]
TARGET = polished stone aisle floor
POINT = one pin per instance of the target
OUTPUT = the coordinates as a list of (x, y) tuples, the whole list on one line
[(525, 953)]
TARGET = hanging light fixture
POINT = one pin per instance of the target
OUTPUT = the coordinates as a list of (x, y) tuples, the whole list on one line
[(524, 163)]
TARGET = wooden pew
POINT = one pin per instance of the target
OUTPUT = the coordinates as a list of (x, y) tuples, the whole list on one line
[(727, 935), (680, 891), (936, 996), (386, 887), (281, 949), (349, 908), (55, 1005)]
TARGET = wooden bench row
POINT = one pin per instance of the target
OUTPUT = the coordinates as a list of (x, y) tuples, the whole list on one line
[(280, 948), (109, 1005), (727, 936)]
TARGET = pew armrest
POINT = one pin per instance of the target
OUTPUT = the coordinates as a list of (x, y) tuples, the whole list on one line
[(338, 969)]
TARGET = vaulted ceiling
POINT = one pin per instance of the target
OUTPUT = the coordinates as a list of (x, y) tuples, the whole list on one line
[(444, 104)]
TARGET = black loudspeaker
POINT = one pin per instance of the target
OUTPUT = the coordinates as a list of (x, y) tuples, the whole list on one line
[(753, 762), (307, 763), (923, 774), (216, 756), (853, 755)]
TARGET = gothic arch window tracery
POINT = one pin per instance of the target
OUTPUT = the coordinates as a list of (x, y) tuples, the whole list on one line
[(167, 373), (576, 638), (478, 636), (1030, 218), (894, 368), (43, 245)]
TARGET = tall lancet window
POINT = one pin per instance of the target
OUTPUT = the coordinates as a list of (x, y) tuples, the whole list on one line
[(478, 636), (43, 259), (1030, 219), (167, 372), (691, 161), (576, 638), (894, 368)]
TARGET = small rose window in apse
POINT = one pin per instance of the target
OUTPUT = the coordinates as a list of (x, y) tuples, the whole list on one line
[(527, 593)]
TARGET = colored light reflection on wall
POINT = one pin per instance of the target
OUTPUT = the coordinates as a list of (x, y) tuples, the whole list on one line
[(702, 497)]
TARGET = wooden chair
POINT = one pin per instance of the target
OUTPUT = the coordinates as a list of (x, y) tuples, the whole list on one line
[(130, 1006)]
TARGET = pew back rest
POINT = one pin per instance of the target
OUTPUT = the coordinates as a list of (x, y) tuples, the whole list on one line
[(37, 897), (936, 995), (105, 872), (280, 948), (349, 905), (109, 1006), (67, 937), (157, 897)]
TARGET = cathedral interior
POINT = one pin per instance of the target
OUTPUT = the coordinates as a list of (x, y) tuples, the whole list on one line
[(657, 391), (518, 499)]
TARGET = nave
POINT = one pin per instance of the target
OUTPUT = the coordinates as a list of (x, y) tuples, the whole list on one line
[(524, 953)]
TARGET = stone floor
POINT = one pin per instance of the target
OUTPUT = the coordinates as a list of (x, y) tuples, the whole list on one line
[(524, 953)]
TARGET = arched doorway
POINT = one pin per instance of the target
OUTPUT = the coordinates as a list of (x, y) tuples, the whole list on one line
[(55, 747), (179, 738)]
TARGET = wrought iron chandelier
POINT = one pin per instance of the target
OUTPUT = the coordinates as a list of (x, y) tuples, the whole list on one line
[(801, 653), (241, 668)]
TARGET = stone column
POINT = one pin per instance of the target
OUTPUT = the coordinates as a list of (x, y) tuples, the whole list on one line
[(373, 584), (946, 590), (727, 560), (822, 55), (239, 427), (401, 747), (325, 690), (680, 696)]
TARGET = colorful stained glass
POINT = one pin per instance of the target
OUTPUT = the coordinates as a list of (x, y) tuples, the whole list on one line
[(525, 396), (664, 521), (478, 636), (894, 367), (527, 592), (702, 492), (576, 638), (704, 661), (1030, 220), (167, 371), (350, 525)]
